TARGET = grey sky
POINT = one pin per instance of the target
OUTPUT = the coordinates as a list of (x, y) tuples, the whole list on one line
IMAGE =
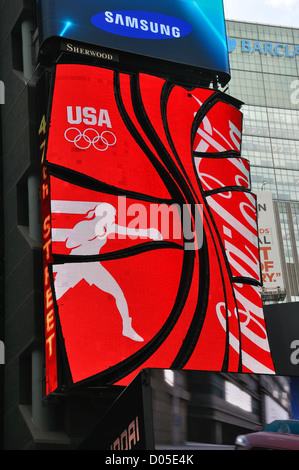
[(276, 12)]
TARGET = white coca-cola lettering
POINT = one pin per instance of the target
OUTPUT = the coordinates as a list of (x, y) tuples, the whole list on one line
[(234, 254), (205, 177), (235, 218), (251, 206), (239, 179), (235, 135), (207, 141), (209, 171), (252, 313), (240, 165), (221, 314), (210, 136), (245, 262), (243, 257)]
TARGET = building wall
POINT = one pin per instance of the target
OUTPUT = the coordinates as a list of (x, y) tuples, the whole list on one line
[(265, 78), (22, 251), (170, 402), (224, 405)]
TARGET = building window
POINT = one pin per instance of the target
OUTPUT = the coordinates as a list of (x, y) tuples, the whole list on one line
[(237, 397), (169, 377)]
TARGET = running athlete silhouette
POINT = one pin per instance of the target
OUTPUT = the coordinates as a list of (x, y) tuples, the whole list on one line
[(87, 238)]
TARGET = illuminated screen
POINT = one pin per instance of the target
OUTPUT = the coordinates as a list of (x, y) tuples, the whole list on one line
[(150, 231), (184, 32)]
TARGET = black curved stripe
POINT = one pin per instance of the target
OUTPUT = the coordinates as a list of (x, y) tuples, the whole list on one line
[(122, 369), (227, 189), (224, 154), (84, 181), (164, 174), (184, 182), (118, 254), (199, 315)]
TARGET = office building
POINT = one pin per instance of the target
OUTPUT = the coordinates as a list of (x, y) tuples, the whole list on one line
[(264, 63)]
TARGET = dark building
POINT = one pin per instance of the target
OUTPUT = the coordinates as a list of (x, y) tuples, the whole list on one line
[(1, 293), (223, 406), (22, 329)]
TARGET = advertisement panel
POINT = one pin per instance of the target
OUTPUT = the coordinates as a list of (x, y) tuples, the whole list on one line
[(270, 257), (188, 33), (152, 247)]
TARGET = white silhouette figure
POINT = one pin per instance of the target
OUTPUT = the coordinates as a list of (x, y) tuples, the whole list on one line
[(87, 238)]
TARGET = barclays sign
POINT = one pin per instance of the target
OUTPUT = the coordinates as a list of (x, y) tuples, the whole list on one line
[(263, 48)]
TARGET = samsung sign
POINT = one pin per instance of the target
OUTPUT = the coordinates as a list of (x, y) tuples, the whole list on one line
[(183, 33), (264, 48), (141, 24)]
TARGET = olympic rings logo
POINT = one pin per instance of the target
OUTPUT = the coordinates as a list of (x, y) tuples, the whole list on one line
[(83, 140)]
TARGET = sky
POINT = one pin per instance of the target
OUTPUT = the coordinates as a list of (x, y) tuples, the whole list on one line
[(274, 12)]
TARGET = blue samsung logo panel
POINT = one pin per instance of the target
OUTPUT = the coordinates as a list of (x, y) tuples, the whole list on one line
[(185, 32), (141, 24)]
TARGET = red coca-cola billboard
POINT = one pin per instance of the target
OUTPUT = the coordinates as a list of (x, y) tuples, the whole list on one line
[(150, 231)]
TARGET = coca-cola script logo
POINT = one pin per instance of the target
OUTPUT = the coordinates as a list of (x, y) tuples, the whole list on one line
[(128, 293)]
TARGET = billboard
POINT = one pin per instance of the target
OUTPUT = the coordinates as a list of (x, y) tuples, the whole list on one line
[(184, 33), (151, 253)]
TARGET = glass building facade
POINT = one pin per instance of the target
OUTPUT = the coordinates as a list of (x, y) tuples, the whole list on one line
[(264, 64)]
